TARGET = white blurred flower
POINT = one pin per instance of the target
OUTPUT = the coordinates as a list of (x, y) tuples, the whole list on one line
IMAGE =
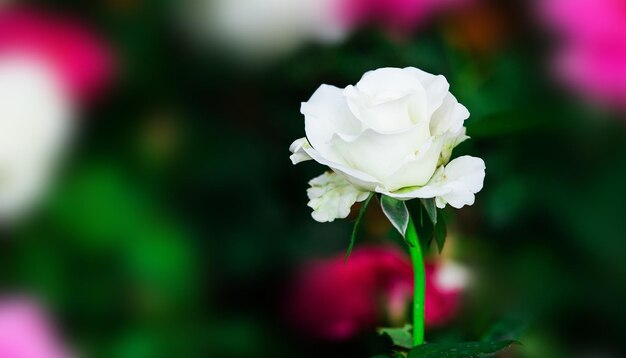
[(35, 123), (331, 197), (451, 277), (265, 28), (393, 133)]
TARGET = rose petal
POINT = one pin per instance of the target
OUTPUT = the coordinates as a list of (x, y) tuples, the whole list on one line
[(378, 154), (356, 177), (331, 197), (325, 114)]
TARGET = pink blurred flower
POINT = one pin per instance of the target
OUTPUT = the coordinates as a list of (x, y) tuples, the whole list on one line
[(334, 301), (82, 60), (592, 55), (445, 283), (397, 16), (26, 332)]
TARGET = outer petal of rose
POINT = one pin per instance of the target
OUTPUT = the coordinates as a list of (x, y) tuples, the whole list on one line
[(449, 117), (418, 169), (361, 180), (424, 192), (464, 177), (325, 114), (380, 154), (331, 197), (436, 87), (431, 190), (455, 184), (299, 155), (451, 141)]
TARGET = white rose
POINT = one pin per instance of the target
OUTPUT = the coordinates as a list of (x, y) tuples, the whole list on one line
[(35, 121), (393, 133)]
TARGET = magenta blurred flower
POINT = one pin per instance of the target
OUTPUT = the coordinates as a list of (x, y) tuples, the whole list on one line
[(26, 332), (82, 59), (334, 301), (445, 283), (592, 55), (397, 16)]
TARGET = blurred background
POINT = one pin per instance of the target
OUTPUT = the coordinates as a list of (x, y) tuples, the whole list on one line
[(148, 207)]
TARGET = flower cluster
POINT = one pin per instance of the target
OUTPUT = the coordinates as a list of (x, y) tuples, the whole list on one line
[(392, 133)]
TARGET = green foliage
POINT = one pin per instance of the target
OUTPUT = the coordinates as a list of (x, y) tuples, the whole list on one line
[(391, 355), (431, 209), (401, 337), (357, 224), (441, 231), (396, 211), (459, 350), (509, 328)]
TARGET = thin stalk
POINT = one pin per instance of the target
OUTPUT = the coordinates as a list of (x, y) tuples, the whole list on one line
[(419, 280)]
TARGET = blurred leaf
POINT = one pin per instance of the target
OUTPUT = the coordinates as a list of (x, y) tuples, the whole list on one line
[(135, 343), (357, 225), (397, 213), (441, 231), (509, 328), (431, 209), (390, 355), (459, 350), (400, 337), (100, 206)]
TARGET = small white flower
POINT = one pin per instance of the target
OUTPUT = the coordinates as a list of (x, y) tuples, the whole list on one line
[(35, 121), (331, 197), (392, 133)]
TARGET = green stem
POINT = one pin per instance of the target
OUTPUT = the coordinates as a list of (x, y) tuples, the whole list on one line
[(419, 281)]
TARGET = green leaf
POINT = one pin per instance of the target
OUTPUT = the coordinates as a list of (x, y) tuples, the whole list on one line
[(390, 355), (431, 209), (506, 329), (400, 337), (424, 227), (356, 226), (441, 231), (397, 213), (459, 350)]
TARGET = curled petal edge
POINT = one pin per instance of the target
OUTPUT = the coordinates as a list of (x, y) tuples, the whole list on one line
[(302, 147)]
